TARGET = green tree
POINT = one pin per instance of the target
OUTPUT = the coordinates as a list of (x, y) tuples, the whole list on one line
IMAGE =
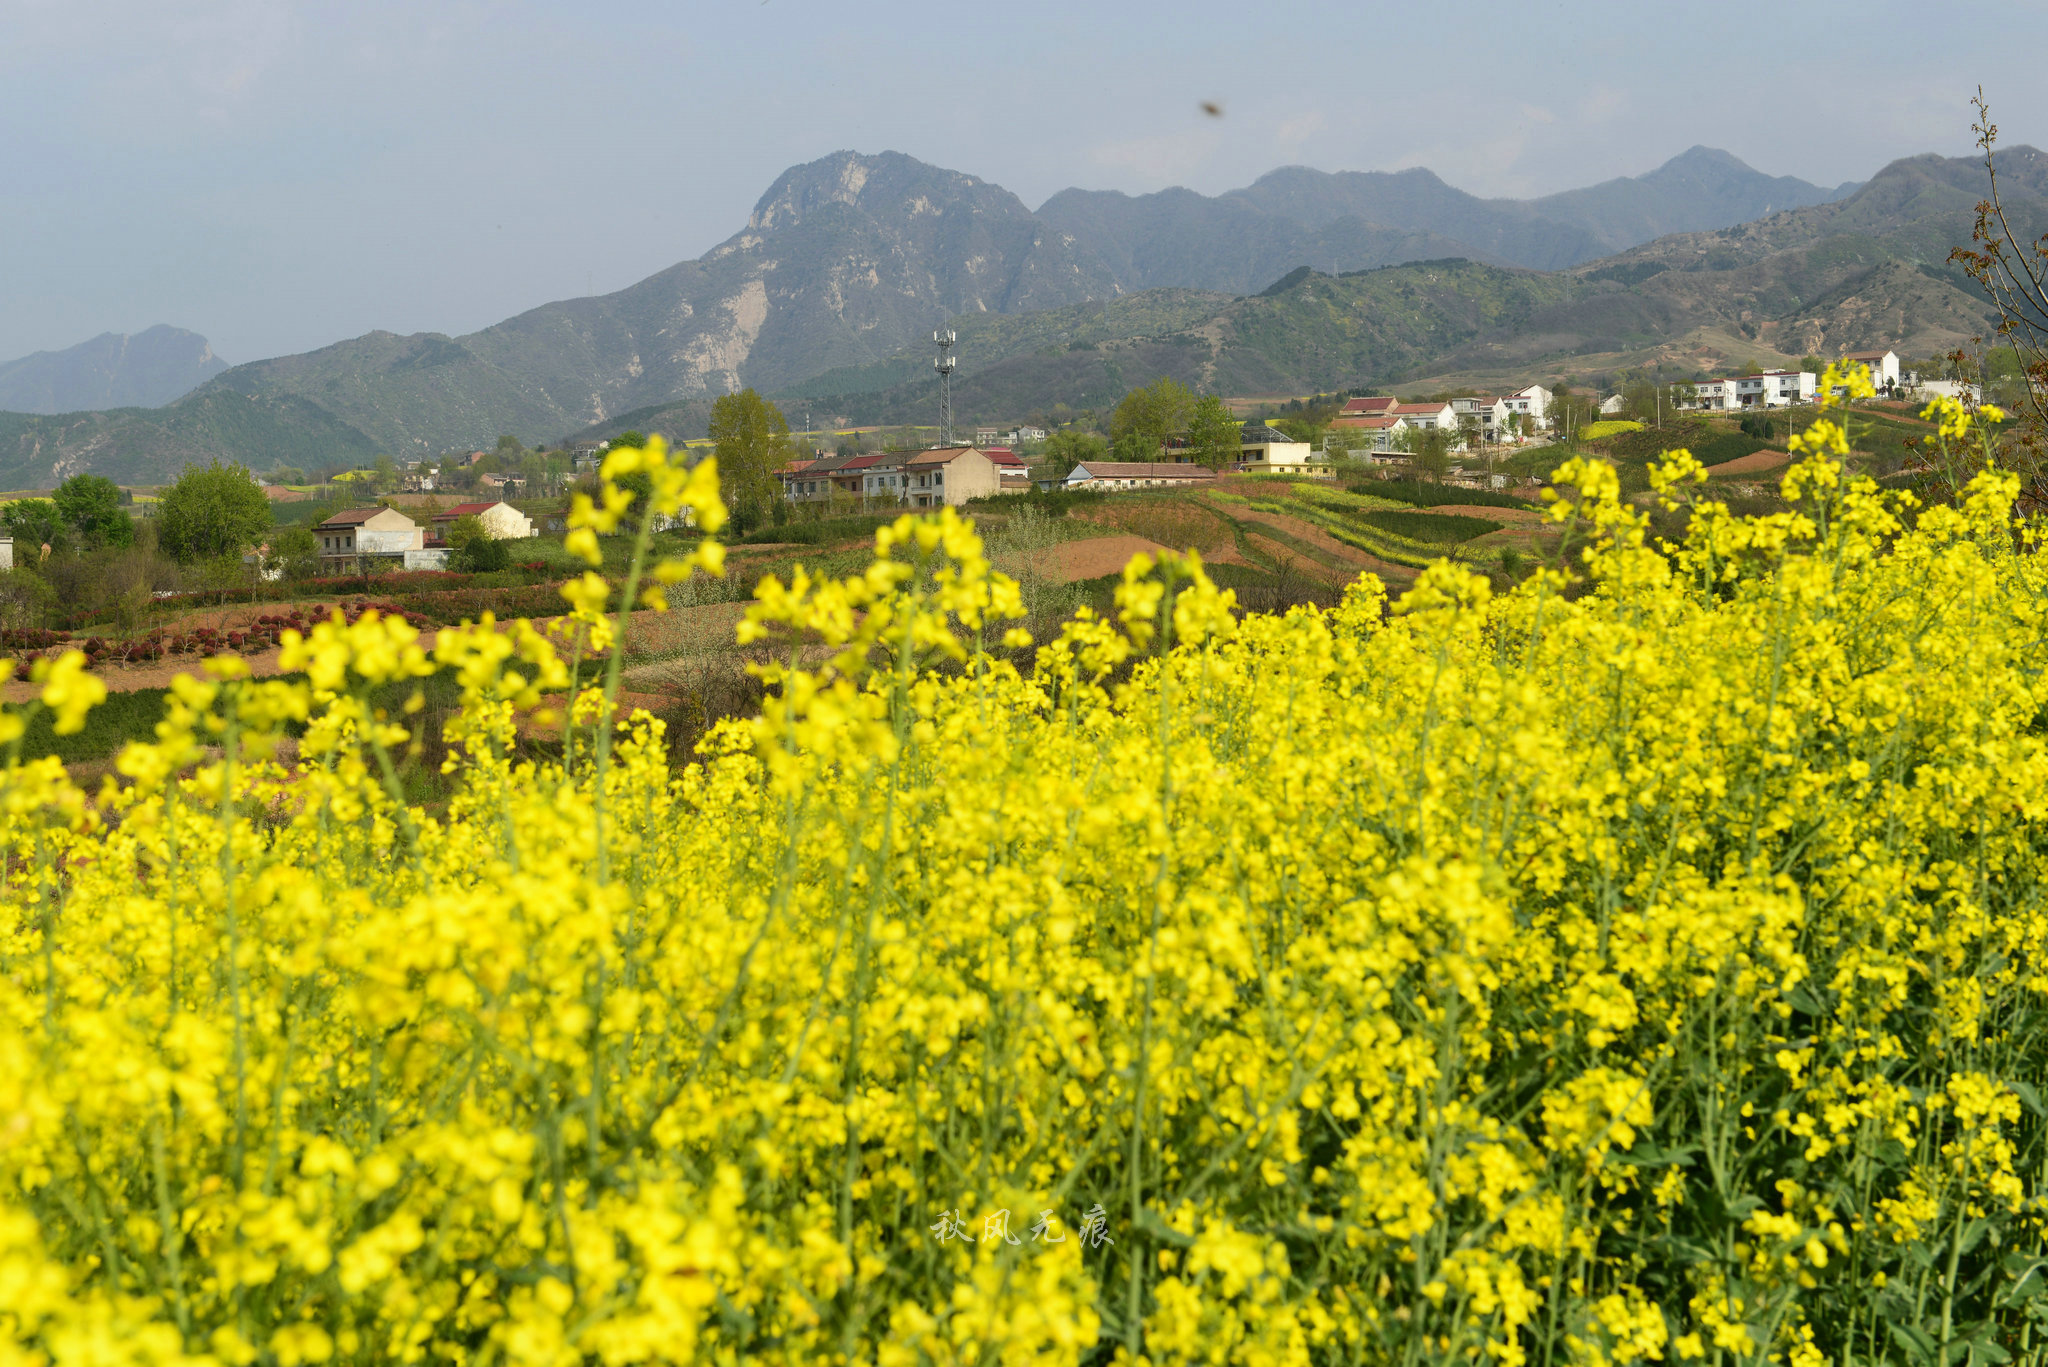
[(1066, 449), (91, 506), (294, 552), (1213, 433), (750, 437), (1429, 450), (629, 437), (213, 511), (1147, 417), (34, 522), (473, 549), (510, 449), (1812, 363)]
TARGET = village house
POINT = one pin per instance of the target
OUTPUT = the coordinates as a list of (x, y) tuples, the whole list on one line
[(1777, 388), (949, 476), (1490, 412), (1381, 431), (882, 475), (501, 521), (1884, 366), (819, 478), (1264, 450), (1376, 407), (360, 534), (1007, 461), (1768, 389), (1533, 403), (1136, 474), (1426, 413)]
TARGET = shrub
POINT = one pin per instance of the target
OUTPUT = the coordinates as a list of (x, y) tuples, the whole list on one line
[(1424, 495), (1610, 976)]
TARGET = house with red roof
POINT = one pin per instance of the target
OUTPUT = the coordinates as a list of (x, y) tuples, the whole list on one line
[(501, 520)]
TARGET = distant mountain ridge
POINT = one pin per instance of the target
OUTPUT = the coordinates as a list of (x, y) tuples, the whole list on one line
[(1864, 271), (1342, 221), (830, 292), (113, 370)]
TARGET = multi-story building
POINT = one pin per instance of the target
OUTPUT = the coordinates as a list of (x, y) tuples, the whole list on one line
[(1383, 430), (1884, 366), (367, 534), (1429, 413), (1776, 388), (1263, 450), (949, 475), (1490, 411), (1533, 403), (1770, 389)]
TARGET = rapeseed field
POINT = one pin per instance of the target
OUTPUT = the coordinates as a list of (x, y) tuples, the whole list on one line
[(1641, 966)]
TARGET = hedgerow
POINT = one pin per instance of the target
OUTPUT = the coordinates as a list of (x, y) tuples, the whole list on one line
[(1649, 971)]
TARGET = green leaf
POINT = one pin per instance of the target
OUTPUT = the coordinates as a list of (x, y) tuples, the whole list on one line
[(1914, 1342)]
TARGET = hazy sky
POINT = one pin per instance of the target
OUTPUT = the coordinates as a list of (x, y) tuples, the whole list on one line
[(280, 175)]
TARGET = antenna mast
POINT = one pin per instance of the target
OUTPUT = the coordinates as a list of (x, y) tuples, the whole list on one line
[(945, 363)]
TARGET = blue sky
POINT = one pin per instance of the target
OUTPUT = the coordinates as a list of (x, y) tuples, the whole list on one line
[(281, 175)]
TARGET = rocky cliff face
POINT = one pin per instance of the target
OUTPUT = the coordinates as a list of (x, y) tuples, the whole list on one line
[(844, 261)]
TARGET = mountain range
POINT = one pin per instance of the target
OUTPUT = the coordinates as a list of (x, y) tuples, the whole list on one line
[(113, 370), (1304, 279)]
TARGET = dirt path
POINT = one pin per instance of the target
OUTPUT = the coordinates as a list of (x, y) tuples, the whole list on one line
[(1754, 463), (1074, 560)]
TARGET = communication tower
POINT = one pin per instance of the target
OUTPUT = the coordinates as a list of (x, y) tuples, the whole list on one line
[(945, 363)]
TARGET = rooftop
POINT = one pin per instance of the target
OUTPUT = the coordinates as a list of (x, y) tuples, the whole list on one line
[(354, 517), (1144, 469)]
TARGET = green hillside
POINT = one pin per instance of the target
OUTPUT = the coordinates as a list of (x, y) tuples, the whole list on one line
[(1312, 332), (150, 445)]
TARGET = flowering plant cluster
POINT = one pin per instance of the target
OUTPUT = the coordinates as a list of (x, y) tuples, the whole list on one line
[(1646, 969)]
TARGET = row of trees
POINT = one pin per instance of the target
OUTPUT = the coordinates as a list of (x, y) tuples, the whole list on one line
[(211, 511)]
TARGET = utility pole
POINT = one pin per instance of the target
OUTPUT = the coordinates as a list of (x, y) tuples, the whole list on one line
[(945, 363)]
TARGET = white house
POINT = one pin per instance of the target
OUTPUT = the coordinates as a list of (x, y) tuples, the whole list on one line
[(1715, 396), (1610, 405), (1426, 414), (1884, 366), (1962, 390), (1137, 474), (881, 476), (1490, 411), (1382, 431), (1776, 388), (1533, 403), (358, 533), (501, 521)]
